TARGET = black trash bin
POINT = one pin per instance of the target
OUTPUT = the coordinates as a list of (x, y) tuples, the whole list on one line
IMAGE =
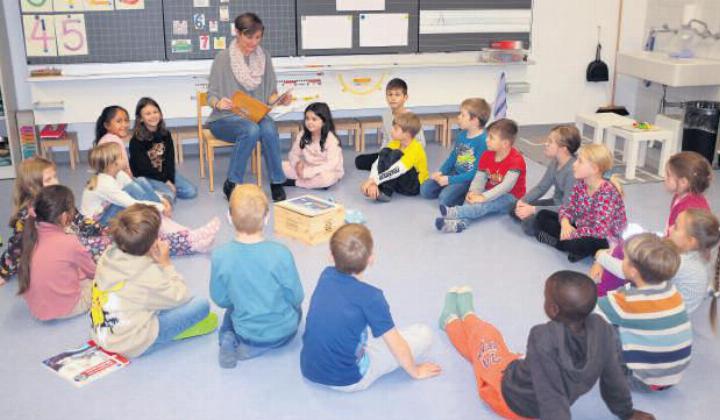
[(701, 128)]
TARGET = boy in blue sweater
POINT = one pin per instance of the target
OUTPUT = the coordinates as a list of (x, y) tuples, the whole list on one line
[(452, 181), (337, 350), (256, 281)]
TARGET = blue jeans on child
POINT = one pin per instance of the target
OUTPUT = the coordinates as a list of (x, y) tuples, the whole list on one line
[(449, 195), (418, 337), (139, 189), (176, 320), (245, 134), (470, 212), (184, 189), (247, 349)]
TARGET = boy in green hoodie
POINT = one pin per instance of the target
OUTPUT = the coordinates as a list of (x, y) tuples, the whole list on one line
[(139, 301)]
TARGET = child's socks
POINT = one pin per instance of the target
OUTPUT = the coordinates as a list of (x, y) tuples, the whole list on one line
[(205, 326), (465, 304), (449, 311), (449, 225), (202, 238)]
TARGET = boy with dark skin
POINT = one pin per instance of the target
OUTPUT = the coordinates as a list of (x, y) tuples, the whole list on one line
[(564, 358)]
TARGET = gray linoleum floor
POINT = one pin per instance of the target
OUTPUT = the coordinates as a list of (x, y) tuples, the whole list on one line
[(415, 266)]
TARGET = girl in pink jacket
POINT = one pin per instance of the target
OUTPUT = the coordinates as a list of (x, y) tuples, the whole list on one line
[(315, 159)]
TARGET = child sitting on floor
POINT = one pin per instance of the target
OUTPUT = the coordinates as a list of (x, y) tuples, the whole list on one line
[(593, 217), (650, 314), (256, 281), (687, 177), (452, 181), (139, 301), (401, 166), (315, 159), (498, 183), (396, 95), (565, 356), (560, 147), (55, 269), (337, 351)]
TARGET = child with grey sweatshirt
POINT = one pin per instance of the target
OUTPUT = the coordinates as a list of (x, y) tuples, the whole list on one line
[(560, 146)]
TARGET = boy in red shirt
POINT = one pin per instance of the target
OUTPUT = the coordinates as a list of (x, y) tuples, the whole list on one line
[(498, 183)]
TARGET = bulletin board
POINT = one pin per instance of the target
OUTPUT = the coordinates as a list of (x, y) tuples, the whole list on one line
[(193, 33), (92, 31), (347, 27), (471, 25)]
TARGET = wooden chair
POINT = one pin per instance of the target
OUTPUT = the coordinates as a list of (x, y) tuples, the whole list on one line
[(70, 141), (180, 134), (208, 144), (439, 122), (366, 125), (352, 126), (291, 127)]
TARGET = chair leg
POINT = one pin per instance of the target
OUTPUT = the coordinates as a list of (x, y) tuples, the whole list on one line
[(211, 167), (179, 150), (253, 162), (258, 157), (174, 136), (360, 141), (632, 149), (202, 152), (71, 154)]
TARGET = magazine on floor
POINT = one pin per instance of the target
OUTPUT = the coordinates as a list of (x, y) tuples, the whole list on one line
[(85, 364)]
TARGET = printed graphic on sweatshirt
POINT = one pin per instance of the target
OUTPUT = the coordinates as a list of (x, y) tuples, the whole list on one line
[(99, 316), (465, 161)]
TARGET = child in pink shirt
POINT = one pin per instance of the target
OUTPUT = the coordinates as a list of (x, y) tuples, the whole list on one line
[(315, 159), (55, 268), (687, 176)]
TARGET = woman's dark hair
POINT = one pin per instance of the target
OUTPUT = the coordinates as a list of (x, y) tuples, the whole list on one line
[(322, 110), (51, 202), (141, 132), (248, 24), (107, 114)]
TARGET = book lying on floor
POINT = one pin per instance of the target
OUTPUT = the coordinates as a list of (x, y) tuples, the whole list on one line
[(308, 205), (86, 364)]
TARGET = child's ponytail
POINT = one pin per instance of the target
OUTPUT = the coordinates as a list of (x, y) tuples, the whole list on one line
[(49, 205)]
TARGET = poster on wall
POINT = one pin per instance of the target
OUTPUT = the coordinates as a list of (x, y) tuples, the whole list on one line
[(130, 4), (40, 35), (68, 5), (99, 5), (71, 34), (35, 6)]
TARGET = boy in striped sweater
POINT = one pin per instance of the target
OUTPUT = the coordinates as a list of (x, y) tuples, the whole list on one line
[(650, 314)]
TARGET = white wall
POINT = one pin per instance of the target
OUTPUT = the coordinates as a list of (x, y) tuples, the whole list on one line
[(564, 38)]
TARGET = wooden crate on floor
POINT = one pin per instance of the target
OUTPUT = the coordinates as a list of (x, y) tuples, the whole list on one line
[(308, 218)]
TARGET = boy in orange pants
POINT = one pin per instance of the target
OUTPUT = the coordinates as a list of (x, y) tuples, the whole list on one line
[(565, 357)]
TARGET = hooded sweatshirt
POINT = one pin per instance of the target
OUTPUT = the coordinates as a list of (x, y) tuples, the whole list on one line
[(127, 294), (560, 366)]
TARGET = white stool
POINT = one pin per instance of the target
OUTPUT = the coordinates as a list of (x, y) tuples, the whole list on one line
[(600, 122), (636, 152)]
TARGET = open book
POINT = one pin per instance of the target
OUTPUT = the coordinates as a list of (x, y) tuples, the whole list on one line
[(85, 364), (248, 107)]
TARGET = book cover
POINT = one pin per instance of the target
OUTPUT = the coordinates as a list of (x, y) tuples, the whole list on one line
[(309, 205), (85, 364)]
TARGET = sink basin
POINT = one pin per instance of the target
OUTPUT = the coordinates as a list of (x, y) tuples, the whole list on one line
[(675, 72)]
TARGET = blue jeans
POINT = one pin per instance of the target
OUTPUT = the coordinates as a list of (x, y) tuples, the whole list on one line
[(176, 320), (470, 212), (139, 189), (245, 134), (247, 349), (184, 189), (450, 195)]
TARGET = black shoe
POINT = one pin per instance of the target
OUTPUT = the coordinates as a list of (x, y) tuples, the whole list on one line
[(546, 238), (289, 183), (573, 258), (228, 188), (278, 192)]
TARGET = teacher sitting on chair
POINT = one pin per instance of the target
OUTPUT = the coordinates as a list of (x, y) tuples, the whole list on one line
[(246, 67)]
